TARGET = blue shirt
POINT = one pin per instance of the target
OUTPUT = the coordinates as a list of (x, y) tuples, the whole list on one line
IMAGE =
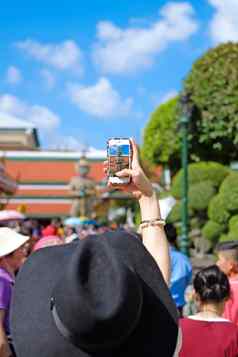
[(181, 274)]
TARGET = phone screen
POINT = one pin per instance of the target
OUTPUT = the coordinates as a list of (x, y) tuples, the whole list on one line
[(119, 152)]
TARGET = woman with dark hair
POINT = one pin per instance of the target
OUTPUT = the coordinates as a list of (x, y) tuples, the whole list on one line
[(207, 333)]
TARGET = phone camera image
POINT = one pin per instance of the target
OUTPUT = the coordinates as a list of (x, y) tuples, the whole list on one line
[(119, 158)]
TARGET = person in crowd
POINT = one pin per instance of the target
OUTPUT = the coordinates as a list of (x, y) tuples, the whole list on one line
[(207, 333), (108, 295), (27, 231), (48, 241), (12, 256), (70, 234), (54, 228), (181, 269), (227, 253)]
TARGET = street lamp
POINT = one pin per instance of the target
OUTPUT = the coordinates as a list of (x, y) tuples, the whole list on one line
[(186, 111)]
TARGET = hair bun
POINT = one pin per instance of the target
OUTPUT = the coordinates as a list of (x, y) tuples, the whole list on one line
[(211, 284)]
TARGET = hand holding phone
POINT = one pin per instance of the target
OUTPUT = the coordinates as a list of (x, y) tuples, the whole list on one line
[(132, 179), (119, 156)]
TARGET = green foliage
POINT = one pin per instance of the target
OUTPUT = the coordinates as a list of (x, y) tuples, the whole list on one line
[(204, 181), (161, 140), (228, 237), (212, 231), (199, 172), (229, 191), (213, 88), (200, 194), (233, 223), (137, 218), (212, 85), (217, 211), (224, 238), (223, 208), (233, 235), (175, 214)]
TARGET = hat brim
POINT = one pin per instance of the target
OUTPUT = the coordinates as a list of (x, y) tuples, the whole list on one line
[(34, 331), (14, 241)]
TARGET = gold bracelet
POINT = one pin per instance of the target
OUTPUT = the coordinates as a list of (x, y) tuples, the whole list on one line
[(152, 223), (151, 220)]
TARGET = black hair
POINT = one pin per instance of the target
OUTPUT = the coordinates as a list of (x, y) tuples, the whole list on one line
[(74, 230), (26, 231), (229, 245), (229, 249), (211, 285), (171, 233)]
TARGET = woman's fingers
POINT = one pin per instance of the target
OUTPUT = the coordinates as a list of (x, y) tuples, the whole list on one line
[(125, 173), (105, 166), (135, 157), (137, 194)]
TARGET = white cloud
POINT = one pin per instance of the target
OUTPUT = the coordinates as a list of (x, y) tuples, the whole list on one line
[(13, 75), (99, 100), (48, 78), (224, 25), (63, 56), (40, 116), (126, 50)]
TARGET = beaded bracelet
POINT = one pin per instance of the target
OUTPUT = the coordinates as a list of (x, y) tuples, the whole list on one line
[(152, 223)]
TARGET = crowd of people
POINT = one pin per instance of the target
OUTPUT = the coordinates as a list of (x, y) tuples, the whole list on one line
[(100, 291)]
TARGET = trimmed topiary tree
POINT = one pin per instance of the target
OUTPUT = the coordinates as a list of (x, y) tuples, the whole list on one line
[(200, 194), (213, 89), (175, 214), (212, 231), (204, 181), (200, 172), (224, 238), (233, 223), (232, 234), (217, 211), (229, 192), (228, 237), (223, 208)]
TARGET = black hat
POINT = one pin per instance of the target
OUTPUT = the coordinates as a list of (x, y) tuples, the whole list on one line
[(104, 297)]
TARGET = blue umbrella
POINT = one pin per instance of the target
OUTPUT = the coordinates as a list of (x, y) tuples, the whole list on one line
[(73, 221), (90, 221)]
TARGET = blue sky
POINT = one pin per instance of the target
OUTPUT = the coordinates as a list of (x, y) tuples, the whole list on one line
[(86, 71)]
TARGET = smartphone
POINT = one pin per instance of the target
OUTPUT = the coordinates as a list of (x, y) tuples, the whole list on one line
[(119, 155)]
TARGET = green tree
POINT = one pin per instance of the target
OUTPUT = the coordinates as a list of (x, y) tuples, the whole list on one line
[(161, 144), (223, 212), (212, 231), (229, 192), (213, 87), (200, 172), (205, 180)]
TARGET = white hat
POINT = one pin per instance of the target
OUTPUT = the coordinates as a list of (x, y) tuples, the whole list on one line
[(10, 241)]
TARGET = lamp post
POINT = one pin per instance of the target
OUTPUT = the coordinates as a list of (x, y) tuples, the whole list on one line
[(186, 111)]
